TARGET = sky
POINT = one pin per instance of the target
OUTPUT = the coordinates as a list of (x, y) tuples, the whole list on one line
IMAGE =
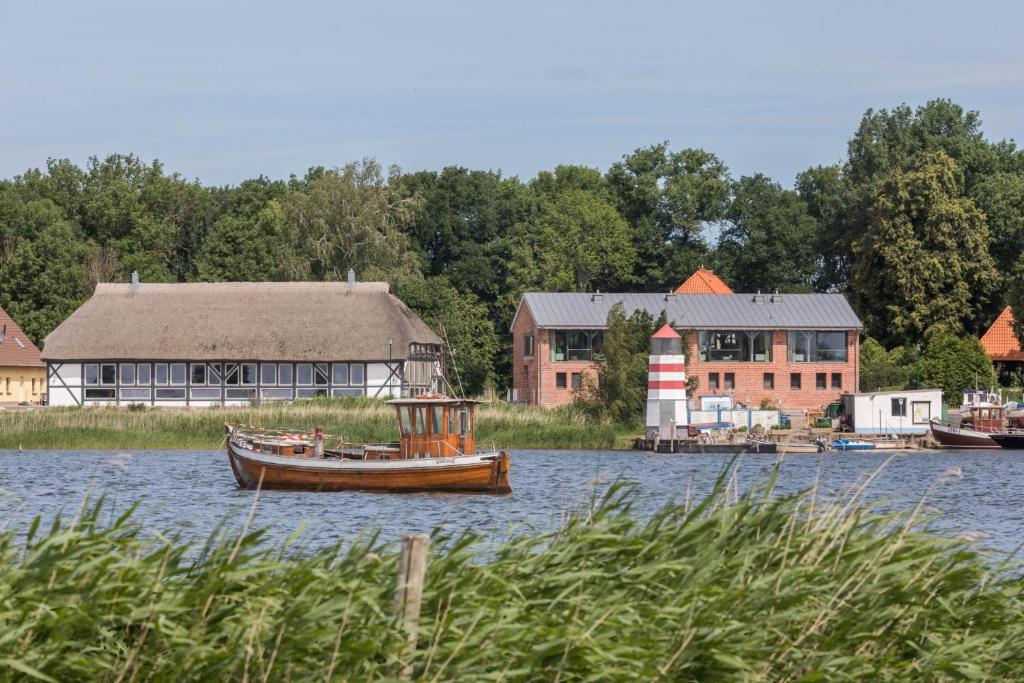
[(223, 91)]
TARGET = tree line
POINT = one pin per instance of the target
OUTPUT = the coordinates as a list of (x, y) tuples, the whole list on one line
[(921, 225)]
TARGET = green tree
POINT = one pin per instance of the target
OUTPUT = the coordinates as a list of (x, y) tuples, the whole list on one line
[(955, 362), (767, 240), (923, 261), (247, 250), (1001, 197), (881, 369), (1015, 299)]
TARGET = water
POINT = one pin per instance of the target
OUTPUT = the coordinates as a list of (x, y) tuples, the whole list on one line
[(189, 492)]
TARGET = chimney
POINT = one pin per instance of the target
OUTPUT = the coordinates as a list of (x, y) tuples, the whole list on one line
[(597, 297), (671, 296), (135, 279), (351, 278), (759, 297), (776, 297)]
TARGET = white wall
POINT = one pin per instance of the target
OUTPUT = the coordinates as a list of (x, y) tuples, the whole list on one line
[(873, 414)]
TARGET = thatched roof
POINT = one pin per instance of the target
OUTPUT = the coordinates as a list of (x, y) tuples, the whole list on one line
[(272, 321)]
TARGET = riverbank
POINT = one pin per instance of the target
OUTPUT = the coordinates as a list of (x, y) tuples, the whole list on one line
[(765, 588), (354, 420)]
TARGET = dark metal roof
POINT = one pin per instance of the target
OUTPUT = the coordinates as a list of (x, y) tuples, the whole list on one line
[(699, 311)]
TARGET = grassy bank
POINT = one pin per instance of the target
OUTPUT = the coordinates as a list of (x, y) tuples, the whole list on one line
[(355, 420), (758, 588)]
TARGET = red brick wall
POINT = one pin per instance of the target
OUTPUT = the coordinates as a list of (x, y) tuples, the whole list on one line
[(534, 377)]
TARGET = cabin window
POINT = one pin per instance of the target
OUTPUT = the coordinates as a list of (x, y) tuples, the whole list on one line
[(437, 420), (899, 407), (464, 422), (211, 394), (560, 380), (268, 373), (135, 394), (340, 373), (582, 345), (284, 373), (198, 373), (127, 373), (321, 376), (712, 380), (94, 394), (794, 380), (108, 374), (735, 345), (819, 380), (248, 372), (837, 380), (171, 394), (730, 380), (421, 419), (305, 373), (357, 373), (405, 419), (813, 347), (577, 380), (160, 370), (769, 380), (92, 374), (528, 345), (142, 374), (452, 414)]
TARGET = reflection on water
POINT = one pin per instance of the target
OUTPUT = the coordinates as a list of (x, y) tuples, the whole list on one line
[(187, 493)]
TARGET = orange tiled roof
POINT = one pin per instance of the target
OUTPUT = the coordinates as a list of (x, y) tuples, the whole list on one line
[(704, 281), (999, 341), (15, 347)]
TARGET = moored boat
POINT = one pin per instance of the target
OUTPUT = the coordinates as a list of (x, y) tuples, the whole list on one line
[(787, 447), (1013, 440), (955, 436), (852, 445), (436, 452)]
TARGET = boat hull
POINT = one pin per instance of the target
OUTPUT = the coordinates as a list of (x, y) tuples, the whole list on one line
[(949, 436), (1013, 441), (484, 473)]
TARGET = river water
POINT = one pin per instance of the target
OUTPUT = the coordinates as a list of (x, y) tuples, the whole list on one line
[(189, 493)]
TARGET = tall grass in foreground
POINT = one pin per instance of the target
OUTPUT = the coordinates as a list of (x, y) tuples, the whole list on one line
[(757, 588), (355, 420)]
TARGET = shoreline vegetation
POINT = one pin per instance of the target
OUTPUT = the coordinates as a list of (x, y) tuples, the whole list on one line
[(734, 587), (354, 420)]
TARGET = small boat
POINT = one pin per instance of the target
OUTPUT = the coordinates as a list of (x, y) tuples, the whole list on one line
[(888, 443), (852, 445), (798, 447), (975, 428), (436, 452), (1014, 440)]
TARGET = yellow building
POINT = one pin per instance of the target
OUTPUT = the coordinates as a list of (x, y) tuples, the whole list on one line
[(22, 371)]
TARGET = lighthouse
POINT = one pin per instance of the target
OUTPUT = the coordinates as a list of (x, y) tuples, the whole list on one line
[(666, 386)]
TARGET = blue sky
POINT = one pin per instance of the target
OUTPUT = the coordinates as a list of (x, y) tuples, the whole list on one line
[(224, 91)]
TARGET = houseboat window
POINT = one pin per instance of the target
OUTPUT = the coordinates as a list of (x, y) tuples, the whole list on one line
[(305, 373), (837, 380), (211, 394), (98, 394), (735, 346), (248, 373), (819, 380), (92, 374), (356, 373), (171, 394), (421, 419), (198, 373), (268, 374), (276, 394), (528, 345), (405, 419), (577, 380), (579, 345), (809, 346), (127, 373), (899, 407), (347, 391), (177, 373), (340, 373), (437, 420), (108, 374), (794, 380), (320, 375), (769, 380), (284, 373), (142, 374), (160, 370), (135, 394), (231, 374), (213, 374)]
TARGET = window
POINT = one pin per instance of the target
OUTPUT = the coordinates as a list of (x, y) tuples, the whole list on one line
[(356, 373), (465, 423), (560, 380), (310, 393), (347, 391), (810, 346), (437, 420), (142, 375), (248, 372), (730, 380), (819, 380), (161, 373), (211, 394), (837, 380), (240, 394), (794, 380), (135, 394), (452, 413), (198, 373), (922, 412), (127, 373), (899, 407), (712, 380), (171, 394), (584, 345), (321, 374), (108, 374), (528, 345), (268, 373), (577, 380), (33, 385), (96, 394), (405, 419), (177, 373), (340, 373), (304, 372), (284, 373), (92, 374), (7, 382), (769, 380), (735, 346), (276, 394), (231, 374), (421, 419)]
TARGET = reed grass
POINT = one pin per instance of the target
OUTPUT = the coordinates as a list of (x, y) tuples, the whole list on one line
[(751, 587), (354, 420)]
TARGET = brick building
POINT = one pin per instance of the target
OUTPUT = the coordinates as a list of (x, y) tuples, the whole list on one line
[(795, 351)]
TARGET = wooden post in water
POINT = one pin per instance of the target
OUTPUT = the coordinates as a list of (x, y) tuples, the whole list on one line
[(412, 567)]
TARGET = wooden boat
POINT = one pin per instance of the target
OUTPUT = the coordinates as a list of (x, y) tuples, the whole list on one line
[(888, 443), (1014, 440), (852, 445), (797, 447), (436, 452), (975, 428)]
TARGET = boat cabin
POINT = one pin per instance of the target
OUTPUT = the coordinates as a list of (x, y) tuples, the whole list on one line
[(984, 419), (435, 427)]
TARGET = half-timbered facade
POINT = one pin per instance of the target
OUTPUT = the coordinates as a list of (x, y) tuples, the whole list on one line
[(203, 344)]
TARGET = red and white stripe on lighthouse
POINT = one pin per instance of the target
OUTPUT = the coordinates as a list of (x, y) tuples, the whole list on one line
[(666, 385)]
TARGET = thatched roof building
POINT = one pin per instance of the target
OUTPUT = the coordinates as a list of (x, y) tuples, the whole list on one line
[(329, 338)]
